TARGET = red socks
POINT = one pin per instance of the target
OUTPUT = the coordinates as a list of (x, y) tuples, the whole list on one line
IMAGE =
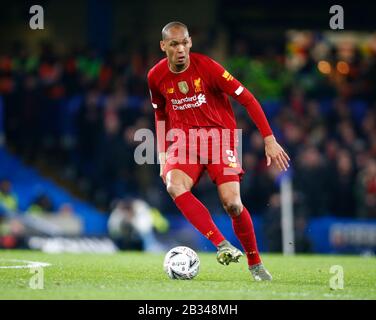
[(197, 214), (243, 228)]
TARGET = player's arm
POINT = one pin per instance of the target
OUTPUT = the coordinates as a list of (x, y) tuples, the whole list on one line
[(158, 103), (225, 82), (160, 128), (273, 151)]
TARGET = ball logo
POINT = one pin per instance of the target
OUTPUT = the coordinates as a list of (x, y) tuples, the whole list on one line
[(181, 263)]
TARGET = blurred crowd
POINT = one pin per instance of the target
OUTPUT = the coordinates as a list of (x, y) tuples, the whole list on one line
[(16, 224), (78, 112)]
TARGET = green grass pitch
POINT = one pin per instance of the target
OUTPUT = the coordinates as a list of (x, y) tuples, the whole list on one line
[(139, 276)]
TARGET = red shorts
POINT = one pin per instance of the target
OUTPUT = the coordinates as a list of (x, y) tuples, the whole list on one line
[(223, 165)]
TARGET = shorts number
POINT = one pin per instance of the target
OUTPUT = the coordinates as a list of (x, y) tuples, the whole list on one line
[(231, 156)]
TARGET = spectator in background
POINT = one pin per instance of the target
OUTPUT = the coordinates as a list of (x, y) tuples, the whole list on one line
[(40, 205), (272, 216), (32, 101), (108, 160), (66, 209), (267, 185), (131, 225), (347, 136), (11, 229), (89, 121), (366, 190), (43, 204), (342, 179), (272, 224), (260, 185), (8, 199), (11, 233), (294, 137), (310, 180)]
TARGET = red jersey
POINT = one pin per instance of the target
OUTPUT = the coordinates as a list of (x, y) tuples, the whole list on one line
[(198, 96)]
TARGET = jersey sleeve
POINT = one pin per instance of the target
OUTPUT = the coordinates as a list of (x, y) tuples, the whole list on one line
[(158, 102), (157, 99), (225, 82)]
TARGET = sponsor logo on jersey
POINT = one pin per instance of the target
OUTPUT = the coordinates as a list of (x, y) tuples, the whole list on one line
[(188, 102), (183, 87), (170, 90), (227, 75), (197, 84)]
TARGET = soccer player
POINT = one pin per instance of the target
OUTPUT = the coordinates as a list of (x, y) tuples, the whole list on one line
[(189, 91)]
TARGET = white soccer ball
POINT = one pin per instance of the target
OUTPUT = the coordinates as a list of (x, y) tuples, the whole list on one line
[(181, 263)]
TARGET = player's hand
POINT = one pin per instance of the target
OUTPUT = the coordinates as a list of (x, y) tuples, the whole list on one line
[(161, 167), (274, 152), (162, 161)]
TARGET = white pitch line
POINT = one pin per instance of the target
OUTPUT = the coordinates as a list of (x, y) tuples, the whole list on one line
[(29, 264)]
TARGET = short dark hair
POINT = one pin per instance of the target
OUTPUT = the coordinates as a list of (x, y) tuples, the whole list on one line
[(170, 25)]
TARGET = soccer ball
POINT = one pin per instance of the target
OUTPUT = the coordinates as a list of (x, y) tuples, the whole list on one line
[(181, 263)]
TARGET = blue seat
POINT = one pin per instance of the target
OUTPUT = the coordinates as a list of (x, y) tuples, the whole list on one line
[(271, 108), (358, 110)]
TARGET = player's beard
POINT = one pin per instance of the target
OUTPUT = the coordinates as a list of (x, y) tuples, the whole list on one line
[(179, 66)]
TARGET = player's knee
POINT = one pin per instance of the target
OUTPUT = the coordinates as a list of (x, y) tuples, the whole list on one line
[(176, 189), (233, 208)]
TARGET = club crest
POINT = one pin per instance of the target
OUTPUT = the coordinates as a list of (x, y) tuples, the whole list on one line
[(197, 84)]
